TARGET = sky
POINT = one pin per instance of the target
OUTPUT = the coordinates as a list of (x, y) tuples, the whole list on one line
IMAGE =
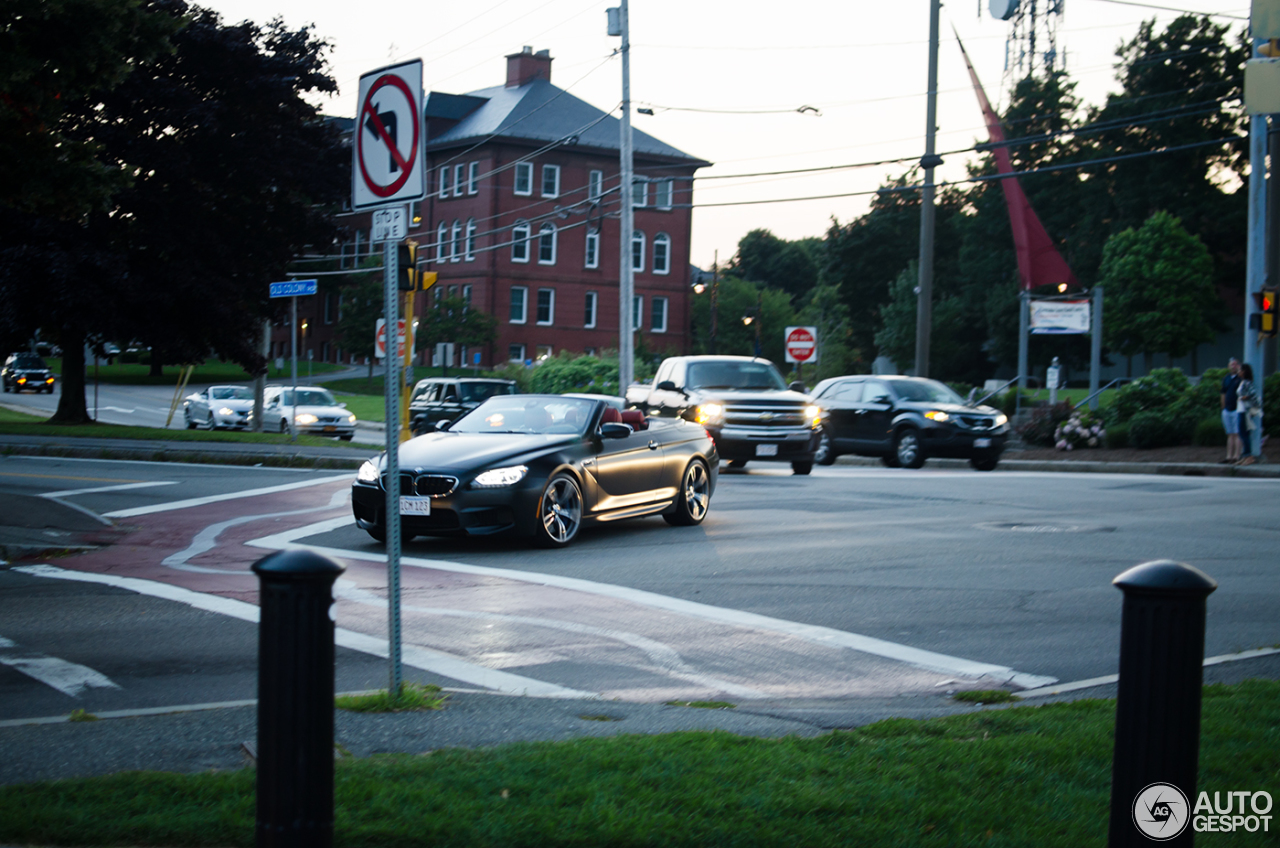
[(727, 81)]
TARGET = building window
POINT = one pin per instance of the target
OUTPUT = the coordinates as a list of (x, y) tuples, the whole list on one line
[(466, 295), (520, 242), (547, 244), (595, 185), (662, 254), (546, 306), (550, 180), (515, 352), (658, 315), (524, 178), (639, 191), (459, 179), (455, 252), (662, 191), (442, 239), (519, 304), (589, 313), (329, 308), (593, 249), (473, 178), (637, 251), (444, 181), (637, 311), (542, 352), (471, 240)]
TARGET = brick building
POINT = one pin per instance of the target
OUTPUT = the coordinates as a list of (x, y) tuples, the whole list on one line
[(522, 220)]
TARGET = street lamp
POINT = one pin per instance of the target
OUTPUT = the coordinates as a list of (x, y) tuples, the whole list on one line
[(751, 316), (700, 287)]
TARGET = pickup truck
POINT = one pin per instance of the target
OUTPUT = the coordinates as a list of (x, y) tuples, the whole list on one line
[(743, 402)]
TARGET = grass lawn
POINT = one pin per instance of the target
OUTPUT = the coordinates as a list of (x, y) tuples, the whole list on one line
[(1027, 776), (14, 423), (211, 371)]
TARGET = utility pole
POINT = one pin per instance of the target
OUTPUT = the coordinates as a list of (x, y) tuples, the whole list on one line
[(620, 24), (930, 160)]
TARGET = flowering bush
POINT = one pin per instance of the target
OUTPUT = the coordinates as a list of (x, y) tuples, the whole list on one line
[(1081, 430)]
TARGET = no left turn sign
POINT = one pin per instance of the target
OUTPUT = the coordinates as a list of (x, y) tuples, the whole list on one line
[(387, 153)]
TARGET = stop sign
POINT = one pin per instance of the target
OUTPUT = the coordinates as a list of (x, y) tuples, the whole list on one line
[(800, 344)]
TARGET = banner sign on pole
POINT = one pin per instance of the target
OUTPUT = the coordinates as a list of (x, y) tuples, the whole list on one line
[(1059, 317), (388, 163)]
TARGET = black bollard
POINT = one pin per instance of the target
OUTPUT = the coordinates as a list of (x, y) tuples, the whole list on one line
[(295, 700), (1153, 770)]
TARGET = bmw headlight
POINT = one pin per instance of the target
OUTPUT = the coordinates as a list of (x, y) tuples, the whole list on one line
[(937, 415), (306, 418), (368, 472), (813, 414), (709, 413), (496, 478)]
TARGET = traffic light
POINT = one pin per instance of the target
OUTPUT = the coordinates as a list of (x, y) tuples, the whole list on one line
[(1265, 319), (407, 265), (426, 279)]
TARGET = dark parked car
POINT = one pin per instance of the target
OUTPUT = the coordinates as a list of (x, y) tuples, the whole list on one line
[(542, 466), (446, 398), (904, 420), (27, 371)]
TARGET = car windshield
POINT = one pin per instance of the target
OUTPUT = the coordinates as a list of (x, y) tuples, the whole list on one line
[(925, 391), (29, 360), (728, 374), (527, 414), (230, 393), (308, 397), (476, 392)]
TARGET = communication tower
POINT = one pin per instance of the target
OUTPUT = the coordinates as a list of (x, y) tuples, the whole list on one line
[(1032, 45)]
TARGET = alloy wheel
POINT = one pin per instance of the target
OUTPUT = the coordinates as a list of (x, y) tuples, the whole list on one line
[(561, 513)]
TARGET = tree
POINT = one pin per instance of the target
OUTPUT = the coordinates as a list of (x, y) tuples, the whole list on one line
[(790, 266), (1159, 290), (737, 299), (826, 311), (452, 320), (361, 304)]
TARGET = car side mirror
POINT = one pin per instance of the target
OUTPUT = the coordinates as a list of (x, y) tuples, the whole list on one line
[(796, 386), (443, 424), (614, 430), (667, 386), (882, 399)]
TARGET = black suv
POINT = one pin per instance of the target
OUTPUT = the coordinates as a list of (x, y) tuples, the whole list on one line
[(904, 420), (446, 398), (27, 371)]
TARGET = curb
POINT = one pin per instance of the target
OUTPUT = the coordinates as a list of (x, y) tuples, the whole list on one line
[(1177, 469), (207, 453)]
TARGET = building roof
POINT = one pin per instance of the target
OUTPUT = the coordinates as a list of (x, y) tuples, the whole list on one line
[(539, 113)]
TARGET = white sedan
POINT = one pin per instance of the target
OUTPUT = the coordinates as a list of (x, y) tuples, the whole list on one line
[(315, 412), (218, 407)]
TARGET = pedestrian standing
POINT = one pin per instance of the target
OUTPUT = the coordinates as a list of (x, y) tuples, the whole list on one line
[(1230, 418), (1246, 403)]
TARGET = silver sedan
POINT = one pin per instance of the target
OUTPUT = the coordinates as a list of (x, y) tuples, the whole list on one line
[(218, 407)]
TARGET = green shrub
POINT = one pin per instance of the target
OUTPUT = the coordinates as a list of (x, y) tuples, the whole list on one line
[(1158, 390), (1082, 429), (575, 373), (515, 371), (1159, 429), (1271, 404), (1118, 436), (1209, 432), (129, 357), (1043, 427), (1204, 398)]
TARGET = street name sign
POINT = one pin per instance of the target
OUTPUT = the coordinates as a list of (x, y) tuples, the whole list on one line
[(293, 288), (388, 163)]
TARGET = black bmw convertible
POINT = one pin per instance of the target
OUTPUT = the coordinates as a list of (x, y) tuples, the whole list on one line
[(542, 466)]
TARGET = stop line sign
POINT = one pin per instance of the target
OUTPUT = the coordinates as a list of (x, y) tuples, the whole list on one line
[(801, 344)]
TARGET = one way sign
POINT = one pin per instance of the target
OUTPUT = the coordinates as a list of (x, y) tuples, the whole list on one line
[(387, 151)]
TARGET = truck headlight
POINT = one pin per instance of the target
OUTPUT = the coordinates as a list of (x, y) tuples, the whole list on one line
[(709, 413), (813, 414), (368, 472), (496, 478), (1002, 420)]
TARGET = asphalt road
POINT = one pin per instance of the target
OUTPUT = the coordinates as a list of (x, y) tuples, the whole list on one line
[(849, 584)]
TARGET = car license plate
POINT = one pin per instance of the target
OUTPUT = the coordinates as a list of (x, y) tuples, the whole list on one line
[(414, 505), (766, 450), (329, 428), (982, 443)]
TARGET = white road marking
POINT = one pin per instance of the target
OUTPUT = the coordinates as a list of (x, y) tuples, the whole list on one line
[(435, 662), (230, 496), (82, 510), (66, 493), (817, 634), (117, 409), (1107, 679), (67, 677)]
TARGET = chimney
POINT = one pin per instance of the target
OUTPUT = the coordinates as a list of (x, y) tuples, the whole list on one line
[(526, 66)]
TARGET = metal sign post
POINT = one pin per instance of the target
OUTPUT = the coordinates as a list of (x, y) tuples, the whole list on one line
[(292, 289), (388, 167)]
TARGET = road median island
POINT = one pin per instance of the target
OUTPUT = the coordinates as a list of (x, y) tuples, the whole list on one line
[(1011, 776)]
